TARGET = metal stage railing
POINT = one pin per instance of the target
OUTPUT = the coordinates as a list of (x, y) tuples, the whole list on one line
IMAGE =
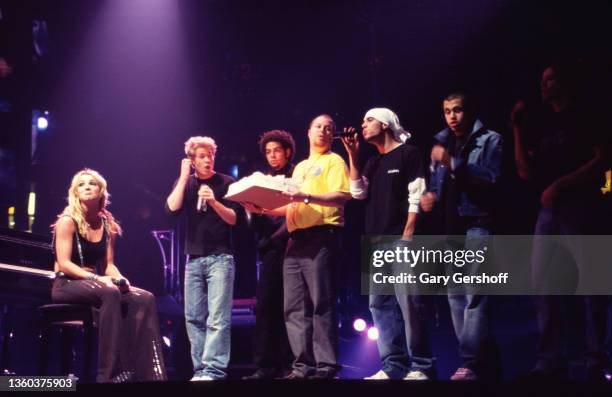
[(171, 265)]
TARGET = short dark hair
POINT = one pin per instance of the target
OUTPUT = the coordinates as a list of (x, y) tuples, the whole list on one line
[(465, 100), (323, 115), (283, 137)]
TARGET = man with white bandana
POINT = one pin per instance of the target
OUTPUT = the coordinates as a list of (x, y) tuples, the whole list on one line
[(392, 183)]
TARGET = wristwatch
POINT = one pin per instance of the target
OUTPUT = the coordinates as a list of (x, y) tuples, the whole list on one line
[(307, 199)]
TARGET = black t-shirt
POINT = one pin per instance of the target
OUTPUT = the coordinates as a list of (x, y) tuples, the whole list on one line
[(389, 175), (206, 233), (561, 143), (453, 222)]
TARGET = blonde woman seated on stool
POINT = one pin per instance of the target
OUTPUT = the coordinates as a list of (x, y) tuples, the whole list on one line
[(129, 346)]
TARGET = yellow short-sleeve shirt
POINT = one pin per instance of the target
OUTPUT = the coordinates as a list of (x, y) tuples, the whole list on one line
[(319, 174)]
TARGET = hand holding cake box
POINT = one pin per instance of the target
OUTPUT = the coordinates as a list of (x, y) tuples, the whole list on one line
[(264, 191)]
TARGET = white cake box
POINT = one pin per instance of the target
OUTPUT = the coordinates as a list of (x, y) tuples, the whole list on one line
[(264, 191)]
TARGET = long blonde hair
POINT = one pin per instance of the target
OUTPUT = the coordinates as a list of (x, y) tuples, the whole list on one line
[(76, 210)]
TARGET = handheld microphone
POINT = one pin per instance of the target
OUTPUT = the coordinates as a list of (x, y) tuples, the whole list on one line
[(342, 134), (201, 206), (120, 282)]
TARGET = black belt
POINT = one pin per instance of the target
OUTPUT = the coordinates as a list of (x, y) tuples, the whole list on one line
[(197, 256), (314, 231)]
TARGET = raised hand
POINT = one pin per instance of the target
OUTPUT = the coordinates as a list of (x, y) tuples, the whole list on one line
[(185, 168)]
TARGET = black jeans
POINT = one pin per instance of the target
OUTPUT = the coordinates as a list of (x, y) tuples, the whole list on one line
[(310, 283), (128, 327), (272, 349)]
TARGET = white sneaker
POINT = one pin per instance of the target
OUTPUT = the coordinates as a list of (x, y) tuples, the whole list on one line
[(416, 375), (198, 378), (380, 375)]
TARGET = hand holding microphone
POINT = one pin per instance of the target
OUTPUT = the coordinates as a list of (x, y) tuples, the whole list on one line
[(201, 200), (205, 194), (350, 140), (122, 283)]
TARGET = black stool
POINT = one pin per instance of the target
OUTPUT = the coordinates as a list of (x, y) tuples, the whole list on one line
[(67, 315)]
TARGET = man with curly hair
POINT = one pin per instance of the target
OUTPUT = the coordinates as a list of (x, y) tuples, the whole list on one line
[(272, 352)]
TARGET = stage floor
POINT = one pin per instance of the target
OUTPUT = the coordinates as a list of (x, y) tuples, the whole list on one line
[(346, 388)]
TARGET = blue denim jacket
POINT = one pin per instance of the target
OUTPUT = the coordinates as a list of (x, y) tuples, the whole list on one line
[(477, 169)]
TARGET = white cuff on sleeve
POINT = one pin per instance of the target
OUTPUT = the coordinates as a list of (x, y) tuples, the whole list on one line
[(359, 188), (416, 189)]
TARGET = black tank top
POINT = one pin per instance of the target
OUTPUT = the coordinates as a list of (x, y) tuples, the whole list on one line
[(93, 253)]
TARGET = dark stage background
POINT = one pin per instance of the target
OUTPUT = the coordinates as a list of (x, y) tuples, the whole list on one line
[(127, 82)]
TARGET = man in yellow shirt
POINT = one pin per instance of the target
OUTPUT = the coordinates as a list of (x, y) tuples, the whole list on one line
[(314, 220)]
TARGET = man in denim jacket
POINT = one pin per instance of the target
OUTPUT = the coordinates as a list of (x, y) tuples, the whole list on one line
[(465, 167)]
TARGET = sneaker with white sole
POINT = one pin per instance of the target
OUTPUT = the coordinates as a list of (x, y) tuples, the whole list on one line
[(199, 378), (380, 375), (416, 375)]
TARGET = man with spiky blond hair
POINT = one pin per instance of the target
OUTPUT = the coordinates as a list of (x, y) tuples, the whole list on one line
[(209, 271)]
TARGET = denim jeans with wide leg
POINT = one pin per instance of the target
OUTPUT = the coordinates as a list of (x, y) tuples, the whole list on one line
[(469, 313), (403, 343), (209, 287), (571, 221)]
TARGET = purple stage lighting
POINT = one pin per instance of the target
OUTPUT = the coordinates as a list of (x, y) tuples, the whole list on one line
[(373, 333), (359, 325)]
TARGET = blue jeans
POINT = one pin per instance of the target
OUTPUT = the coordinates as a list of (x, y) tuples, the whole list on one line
[(209, 287), (403, 343), (470, 315), (572, 221)]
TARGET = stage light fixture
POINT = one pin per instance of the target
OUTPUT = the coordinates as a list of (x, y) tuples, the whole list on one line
[(32, 204), (359, 325), (234, 171), (42, 123)]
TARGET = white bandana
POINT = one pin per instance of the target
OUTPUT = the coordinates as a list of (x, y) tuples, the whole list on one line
[(387, 116)]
